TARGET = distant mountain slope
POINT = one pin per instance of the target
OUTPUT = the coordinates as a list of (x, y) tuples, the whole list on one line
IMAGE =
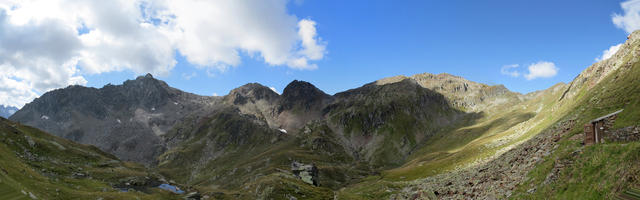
[(6, 111), (608, 169), (194, 139), (383, 124), (366, 140), (37, 165), (555, 164), (126, 120), (463, 94), (257, 134)]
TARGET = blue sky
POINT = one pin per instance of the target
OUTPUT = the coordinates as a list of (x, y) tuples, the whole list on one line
[(369, 40)]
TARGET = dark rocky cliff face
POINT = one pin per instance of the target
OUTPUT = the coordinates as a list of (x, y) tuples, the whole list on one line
[(300, 102), (125, 120), (302, 96), (382, 124)]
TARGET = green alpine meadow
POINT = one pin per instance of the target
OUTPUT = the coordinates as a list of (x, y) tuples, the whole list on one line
[(156, 99)]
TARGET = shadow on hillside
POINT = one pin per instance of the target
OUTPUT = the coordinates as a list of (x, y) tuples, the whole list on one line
[(436, 152)]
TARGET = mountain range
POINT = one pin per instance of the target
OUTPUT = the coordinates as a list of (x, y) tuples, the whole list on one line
[(404, 137), (6, 111)]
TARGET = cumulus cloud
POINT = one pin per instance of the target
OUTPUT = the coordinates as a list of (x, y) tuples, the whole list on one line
[(606, 54), (229, 28), (46, 46), (13, 92), (630, 19), (509, 70), (35, 57), (541, 69)]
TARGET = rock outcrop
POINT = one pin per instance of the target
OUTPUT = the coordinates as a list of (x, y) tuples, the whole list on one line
[(626, 134), (462, 93), (305, 172)]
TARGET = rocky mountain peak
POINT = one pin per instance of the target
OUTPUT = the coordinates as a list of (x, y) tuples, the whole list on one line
[(302, 93), (126, 120), (447, 83), (301, 90), (251, 92), (146, 82), (6, 111), (461, 92), (393, 86)]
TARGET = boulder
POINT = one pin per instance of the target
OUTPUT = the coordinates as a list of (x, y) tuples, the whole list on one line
[(305, 172)]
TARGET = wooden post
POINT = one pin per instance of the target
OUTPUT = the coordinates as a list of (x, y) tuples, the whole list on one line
[(589, 134), (599, 130)]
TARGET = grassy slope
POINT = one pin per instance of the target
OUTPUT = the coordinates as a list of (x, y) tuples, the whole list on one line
[(9, 193), (36, 162), (469, 144), (479, 140), (265, 155), (453, 149), (255, 161), (401, 115), (597, 171), (600, 171)]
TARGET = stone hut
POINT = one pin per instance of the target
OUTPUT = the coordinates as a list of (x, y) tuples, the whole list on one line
[(596, 130)]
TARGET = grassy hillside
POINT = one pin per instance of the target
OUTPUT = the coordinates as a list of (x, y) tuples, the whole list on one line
[(227, 153), (572, 171), (597, 171), (480, 140), (34, 164), (383, 124)]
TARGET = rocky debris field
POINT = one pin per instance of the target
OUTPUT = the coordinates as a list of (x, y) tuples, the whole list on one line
[(630, 133), (494, 180)]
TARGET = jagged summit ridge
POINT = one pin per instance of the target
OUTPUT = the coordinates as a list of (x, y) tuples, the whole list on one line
[(462, 93), (125, 120)]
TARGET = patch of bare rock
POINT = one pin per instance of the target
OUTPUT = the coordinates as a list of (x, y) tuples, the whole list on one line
[(494, 180)]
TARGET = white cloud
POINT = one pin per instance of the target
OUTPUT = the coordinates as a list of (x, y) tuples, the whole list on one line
[(541, 69), (230, 28), (313, 47), (274, 90), (606, 54), (34, 58), (15, 93), (48, 44), (509, 70), (215, 94), (630, 20)]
